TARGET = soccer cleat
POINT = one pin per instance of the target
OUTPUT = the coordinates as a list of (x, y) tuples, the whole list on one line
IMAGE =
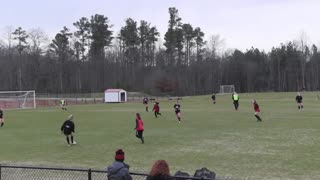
[(74, 142), (68, 144)]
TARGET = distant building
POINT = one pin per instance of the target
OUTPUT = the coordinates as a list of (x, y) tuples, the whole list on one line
[(115, 95)]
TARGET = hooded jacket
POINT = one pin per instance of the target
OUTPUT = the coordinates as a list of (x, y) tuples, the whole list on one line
[(118, 171)]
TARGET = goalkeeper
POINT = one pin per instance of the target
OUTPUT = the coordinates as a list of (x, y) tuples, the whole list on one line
[(63, 104), (67, 129), (235, 98)]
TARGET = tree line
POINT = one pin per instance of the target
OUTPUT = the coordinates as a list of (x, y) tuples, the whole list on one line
[(94, 58)]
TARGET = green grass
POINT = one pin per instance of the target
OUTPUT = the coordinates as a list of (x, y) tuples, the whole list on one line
[(286, 145)]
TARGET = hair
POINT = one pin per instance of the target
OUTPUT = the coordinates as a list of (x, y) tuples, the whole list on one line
[(160, 168), (138, 116)]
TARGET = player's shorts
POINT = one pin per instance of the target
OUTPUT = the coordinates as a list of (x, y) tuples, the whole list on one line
[(1, 117), (299, 101), (146, 103), (67, 131), (177, 111), (257, 110)]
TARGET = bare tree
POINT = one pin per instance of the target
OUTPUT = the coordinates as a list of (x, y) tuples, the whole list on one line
[(215, 44), (38, 40), (8, 30), (302, 43)]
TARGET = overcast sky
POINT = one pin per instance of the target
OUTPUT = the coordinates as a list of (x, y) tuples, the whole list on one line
[(242, 23)]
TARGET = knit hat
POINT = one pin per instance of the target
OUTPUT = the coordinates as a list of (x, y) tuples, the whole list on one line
[(119, 155)]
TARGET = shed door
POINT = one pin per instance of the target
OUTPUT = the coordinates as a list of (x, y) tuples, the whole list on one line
[(123, 96)]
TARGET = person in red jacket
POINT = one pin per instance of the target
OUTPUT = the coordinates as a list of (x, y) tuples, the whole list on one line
[(156, 109), (139, 128), (256, 110)]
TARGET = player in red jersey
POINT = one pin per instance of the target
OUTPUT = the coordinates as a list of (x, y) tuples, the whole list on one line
[(156, 109), (139, 128), (256, 110)]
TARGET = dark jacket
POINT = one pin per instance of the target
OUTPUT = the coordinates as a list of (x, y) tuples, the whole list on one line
[(118, 171), (299, 99), (68, 125), (160, 178)]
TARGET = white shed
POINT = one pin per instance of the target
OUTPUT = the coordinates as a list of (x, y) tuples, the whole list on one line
[(115, 95)]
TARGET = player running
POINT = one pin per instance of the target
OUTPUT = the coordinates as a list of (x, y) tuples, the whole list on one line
[(139, 128), (63, 104), (1, 118), (299, 99), (177, 111), (156, 109), (235, 98), (68, 129), (213, 97), (256, 110), (145, 102)]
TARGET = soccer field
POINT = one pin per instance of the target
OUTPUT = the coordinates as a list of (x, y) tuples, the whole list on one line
[(286, 145)]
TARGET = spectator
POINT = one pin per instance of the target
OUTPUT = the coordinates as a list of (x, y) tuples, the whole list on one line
[(119, 170), (160, 171), (1, 118)]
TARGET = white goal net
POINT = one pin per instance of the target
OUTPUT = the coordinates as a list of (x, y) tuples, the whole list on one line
[(17, 99), (227, 89)]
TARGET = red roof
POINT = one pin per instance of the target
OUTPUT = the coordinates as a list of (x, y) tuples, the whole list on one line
[(114, 90)]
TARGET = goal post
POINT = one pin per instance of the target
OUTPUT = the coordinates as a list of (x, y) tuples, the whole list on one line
[(17, 99), (227, 89)]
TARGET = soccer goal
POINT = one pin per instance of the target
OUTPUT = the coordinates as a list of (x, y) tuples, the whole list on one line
[(227, 89), (17, 99)]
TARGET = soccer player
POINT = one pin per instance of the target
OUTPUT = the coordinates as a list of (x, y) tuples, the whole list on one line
[(1, 118), (145, 102), (67, 129), (299, 101), (213, 97), (235, 98), (139, 128), (256, 110), (156, 109), (63, 104), (177, 111)]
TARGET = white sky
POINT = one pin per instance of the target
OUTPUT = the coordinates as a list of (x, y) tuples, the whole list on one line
[(242, 23)]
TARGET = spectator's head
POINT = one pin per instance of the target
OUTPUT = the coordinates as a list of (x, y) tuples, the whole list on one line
[(160, 168), (119, 155), (138, 115)]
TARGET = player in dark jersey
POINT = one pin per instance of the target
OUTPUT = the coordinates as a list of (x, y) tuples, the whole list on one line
[(299, 99), (213, 97), (156, 109), (67, 129), (177, 111), (1, 118), (256, 109), (145, 102)]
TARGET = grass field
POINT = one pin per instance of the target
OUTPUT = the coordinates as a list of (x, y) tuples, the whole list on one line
[(286, 145)]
